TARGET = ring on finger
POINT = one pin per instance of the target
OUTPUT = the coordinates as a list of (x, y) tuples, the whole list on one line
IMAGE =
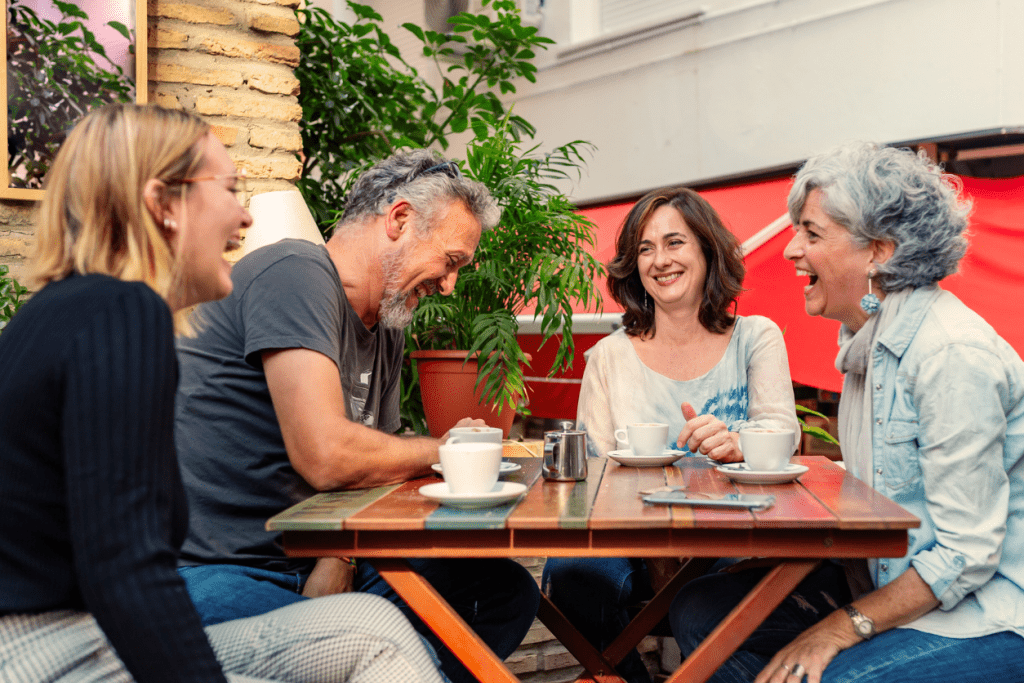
[(785, 666), (799, 670)]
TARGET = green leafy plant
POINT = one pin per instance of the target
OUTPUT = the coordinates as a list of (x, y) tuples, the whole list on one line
[(12, 296), (816, 432), (361, 102), (57, 71)]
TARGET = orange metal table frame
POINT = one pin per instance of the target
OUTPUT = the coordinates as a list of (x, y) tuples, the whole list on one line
[(827, 513)]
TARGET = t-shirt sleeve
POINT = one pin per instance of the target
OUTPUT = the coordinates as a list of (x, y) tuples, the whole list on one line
[(772, 403), (122, 488), (293, 303)]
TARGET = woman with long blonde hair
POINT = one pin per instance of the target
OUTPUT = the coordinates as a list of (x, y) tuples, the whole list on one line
[(140, 206)]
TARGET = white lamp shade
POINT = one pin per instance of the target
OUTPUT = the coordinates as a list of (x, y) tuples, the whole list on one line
[(277, 215)]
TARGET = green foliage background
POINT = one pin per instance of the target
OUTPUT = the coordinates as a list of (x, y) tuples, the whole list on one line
[(12, 296), (56, 72)]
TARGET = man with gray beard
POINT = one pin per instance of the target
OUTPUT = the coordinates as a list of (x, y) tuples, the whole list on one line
[(291, 387)]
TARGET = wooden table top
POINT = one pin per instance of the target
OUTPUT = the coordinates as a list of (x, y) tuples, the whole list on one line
[(825, 513)]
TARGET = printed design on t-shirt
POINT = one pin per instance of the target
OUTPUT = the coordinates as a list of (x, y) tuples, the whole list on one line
[(728, 406), (358, 395)]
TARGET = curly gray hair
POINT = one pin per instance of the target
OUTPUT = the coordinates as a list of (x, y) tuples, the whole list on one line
[(425, 179), (892, 195)]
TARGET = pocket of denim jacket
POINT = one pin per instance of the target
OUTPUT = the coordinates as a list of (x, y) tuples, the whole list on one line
[(901, 465)]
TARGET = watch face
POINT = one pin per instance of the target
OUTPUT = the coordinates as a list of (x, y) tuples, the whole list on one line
[(864, 628)]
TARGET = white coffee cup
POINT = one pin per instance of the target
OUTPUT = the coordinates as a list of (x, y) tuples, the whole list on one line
[(470, 467), (645, 439), (765, 449), (474, 435)]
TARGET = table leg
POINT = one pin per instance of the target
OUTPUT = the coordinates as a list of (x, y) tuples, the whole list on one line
[(600, 669), (645, 621), (444, 621), (737, 626), (601, 665)]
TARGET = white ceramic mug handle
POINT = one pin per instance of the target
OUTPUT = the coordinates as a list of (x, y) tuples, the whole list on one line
[(621, 435)]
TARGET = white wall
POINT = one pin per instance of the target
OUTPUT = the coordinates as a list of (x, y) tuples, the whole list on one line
[(753, 84), (764, 83)]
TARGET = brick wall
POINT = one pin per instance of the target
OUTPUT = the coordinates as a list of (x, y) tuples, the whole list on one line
[(229, 61)]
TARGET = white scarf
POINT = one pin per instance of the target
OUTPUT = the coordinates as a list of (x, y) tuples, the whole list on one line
[(855, 412), (854, 361)]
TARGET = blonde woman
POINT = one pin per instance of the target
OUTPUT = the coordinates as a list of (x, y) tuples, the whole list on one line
[(139, 208)]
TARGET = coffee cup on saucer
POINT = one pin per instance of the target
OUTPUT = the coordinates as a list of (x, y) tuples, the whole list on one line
[(474, 435), (645, 439), (766, 449), (471, 467)]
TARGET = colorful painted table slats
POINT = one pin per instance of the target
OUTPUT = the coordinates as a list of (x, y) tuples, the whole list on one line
[(568, 502), (326, 511)]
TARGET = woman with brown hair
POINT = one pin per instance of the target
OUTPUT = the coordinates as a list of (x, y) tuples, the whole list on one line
[(683, 358), (139, 208)]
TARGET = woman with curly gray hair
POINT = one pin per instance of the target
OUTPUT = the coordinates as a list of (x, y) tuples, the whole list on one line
[(931, 415)]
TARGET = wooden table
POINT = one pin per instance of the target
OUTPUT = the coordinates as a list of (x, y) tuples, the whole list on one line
[(827, 513)]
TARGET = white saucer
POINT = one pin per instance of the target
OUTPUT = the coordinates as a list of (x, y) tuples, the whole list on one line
[(741, 472), (506, 467), (503, 492), (626, 457)]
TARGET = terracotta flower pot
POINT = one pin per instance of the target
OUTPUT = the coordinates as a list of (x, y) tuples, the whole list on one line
[(446, 385)]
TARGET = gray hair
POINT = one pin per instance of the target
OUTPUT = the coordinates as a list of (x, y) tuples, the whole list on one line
[(426, 180), (892, 195)]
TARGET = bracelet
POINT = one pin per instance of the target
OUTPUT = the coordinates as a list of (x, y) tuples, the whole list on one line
[(348, 560)]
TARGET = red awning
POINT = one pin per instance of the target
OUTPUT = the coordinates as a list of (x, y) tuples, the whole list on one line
[(990, 281)]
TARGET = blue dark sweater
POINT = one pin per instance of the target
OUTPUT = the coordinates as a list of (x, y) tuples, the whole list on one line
[(92, 511)]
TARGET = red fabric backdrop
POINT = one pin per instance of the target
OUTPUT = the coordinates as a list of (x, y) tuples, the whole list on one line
[(990, 281)]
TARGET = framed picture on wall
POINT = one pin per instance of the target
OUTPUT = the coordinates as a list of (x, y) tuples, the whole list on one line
[(63, 58)]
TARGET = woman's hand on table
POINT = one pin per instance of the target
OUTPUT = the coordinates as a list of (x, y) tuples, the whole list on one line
[(812, 650), (707, 435)]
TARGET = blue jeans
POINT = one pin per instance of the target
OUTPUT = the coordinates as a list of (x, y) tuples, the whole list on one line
[(594, 594), (910, 656), (902, 655), (497, 597)]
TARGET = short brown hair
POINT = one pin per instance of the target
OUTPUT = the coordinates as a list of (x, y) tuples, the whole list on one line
[(93, 219), (725, 270)]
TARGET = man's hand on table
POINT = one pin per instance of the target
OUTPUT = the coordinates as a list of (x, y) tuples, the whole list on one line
[(465, 422)]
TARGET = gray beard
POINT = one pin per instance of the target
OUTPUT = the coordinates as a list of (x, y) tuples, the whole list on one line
[(393, 312)]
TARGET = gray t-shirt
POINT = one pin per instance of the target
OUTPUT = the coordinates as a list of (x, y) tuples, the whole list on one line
[(234, 464)]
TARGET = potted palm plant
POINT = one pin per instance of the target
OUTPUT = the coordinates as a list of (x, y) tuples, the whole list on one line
[(536, 259)]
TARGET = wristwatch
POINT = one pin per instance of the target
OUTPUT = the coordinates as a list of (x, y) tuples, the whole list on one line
[(864, 627)]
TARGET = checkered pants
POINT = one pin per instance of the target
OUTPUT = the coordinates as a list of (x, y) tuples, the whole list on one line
[(353, 637)]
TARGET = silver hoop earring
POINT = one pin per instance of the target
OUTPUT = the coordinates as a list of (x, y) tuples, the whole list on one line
[(869, 303)]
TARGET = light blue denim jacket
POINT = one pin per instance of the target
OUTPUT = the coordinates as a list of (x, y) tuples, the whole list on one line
[(948, 440)]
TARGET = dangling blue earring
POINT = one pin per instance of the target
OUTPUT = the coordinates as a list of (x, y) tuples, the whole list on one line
[(869, 303)]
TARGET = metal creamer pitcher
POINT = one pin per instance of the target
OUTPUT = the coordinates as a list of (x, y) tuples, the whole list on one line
[(565, 454)]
